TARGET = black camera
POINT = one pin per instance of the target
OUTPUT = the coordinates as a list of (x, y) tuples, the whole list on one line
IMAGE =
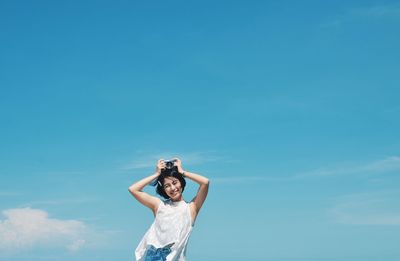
[(169, 164)]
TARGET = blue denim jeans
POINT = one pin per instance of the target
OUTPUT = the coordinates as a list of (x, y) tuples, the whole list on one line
[(157, 254)]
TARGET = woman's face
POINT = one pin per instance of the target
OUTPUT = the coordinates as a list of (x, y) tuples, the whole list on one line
[(172, 186)]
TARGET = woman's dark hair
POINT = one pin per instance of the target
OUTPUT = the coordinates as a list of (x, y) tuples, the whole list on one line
[(165, 173)]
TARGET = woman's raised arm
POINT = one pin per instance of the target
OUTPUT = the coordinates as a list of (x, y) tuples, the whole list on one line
[(143, 197), (198, 200)]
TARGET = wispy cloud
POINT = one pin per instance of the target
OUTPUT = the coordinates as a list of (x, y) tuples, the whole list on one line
[(369, 12), (190, 158), (244, 179), (26, 227), (378, 11), (272, 105), (57, 202), (388, 164), (378, 208), (7, 193)]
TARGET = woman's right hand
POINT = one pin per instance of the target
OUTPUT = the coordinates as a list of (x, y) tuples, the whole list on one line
[(160, 166)]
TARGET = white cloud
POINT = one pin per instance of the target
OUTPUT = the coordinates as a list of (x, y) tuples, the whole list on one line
[(191, 158), (27, 227), (379, 208)]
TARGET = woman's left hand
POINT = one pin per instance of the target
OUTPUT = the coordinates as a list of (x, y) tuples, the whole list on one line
[(178, 164)]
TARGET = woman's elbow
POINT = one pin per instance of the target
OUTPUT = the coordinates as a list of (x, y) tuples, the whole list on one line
[(132, 189)]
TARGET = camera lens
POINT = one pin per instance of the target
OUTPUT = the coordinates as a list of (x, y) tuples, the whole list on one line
[(169, 164)]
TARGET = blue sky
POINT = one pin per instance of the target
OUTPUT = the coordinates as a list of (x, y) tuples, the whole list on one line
[(289, 107)]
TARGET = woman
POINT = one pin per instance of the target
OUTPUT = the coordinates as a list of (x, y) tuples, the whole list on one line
[(167, 238)]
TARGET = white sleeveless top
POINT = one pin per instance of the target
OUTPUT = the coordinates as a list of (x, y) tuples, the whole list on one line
[(171, 228)]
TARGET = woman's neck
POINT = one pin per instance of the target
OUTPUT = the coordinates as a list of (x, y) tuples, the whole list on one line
[(177, 200)]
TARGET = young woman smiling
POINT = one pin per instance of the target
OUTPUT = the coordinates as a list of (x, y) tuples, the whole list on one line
[(167, 237)]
